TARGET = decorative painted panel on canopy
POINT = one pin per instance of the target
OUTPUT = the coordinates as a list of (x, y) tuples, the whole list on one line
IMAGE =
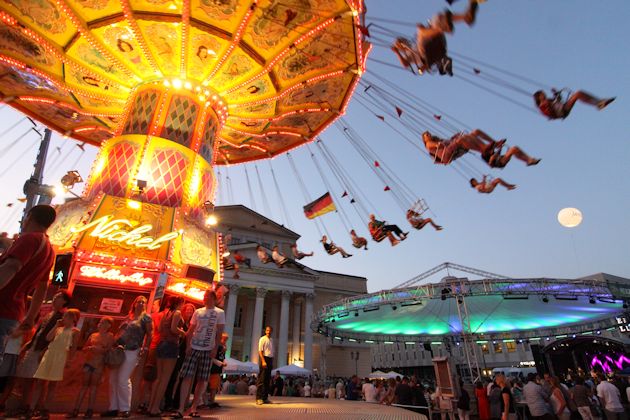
[(285, 69)]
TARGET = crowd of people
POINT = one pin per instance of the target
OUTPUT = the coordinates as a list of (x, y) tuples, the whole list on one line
[(178, 349)]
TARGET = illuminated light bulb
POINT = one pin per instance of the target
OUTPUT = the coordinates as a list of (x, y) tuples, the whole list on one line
[(134, 205), (181, 231), (212, 220), (197, 89), (214, 97), (188, 85), (202, 98), (177, 84), (59, 190), (167, 83), (355, 13), (207, 92)]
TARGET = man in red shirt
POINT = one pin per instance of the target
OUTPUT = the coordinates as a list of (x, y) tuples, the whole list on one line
[(25, 267)]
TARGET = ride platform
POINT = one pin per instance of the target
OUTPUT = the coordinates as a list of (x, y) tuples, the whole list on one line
[(244, 407)]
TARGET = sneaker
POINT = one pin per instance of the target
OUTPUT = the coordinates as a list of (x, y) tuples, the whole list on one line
[(110, 413), (259, 402), (267, 402), (604, 103), (124, 414)]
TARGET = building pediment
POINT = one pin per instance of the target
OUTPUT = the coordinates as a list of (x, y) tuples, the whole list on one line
[(246, 219)]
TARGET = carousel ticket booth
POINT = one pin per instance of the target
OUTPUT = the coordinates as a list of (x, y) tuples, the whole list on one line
[(115, 249)]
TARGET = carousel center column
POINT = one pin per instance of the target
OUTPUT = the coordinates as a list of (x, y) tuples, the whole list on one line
[(257, 324), (308, 332), (283, 334), (230, 316)]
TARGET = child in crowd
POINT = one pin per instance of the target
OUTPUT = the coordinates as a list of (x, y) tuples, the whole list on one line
[(9, 363), (95, 348), (64, 339)]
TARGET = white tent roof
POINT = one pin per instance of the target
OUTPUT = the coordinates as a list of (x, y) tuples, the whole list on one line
[(236, 367), (377, 374), (291, 370), (392, 374)]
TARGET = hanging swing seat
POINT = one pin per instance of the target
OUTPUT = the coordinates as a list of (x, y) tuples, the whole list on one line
[(228, 265), (378, 235), (265, 258), (331, 249), (420, 206)]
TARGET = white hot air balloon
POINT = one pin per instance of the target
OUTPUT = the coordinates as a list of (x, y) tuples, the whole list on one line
[(570, 217)]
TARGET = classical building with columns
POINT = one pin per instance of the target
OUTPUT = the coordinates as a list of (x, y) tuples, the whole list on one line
[(284, 298)]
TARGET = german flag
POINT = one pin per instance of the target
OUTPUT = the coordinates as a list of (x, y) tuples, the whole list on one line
[(322, 205)]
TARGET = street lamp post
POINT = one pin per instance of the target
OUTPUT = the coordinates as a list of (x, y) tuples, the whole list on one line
[(355, 356)]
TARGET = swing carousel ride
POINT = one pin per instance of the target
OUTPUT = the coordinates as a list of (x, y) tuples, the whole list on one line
[(171, 91), (167, 90)]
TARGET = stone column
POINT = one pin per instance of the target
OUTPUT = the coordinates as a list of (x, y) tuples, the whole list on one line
[(230, 315), (257, 324), (297, 312), (273, 320), (308, 332), (283, 330)]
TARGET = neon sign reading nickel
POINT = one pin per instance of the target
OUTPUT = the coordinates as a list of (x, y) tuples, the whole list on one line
[(123, 231)]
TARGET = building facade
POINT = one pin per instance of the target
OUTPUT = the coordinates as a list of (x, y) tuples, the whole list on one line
[(284, 298)]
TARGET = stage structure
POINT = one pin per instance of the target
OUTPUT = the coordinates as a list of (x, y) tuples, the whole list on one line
[(167, 90), (462, 312)]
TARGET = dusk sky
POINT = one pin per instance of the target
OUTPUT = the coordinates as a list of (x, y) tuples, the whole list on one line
[(578, 44)]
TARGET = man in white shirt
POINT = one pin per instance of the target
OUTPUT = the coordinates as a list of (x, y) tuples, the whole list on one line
[(369, 391), (307, 390), (265, 364), (202, 342), (610, 398)]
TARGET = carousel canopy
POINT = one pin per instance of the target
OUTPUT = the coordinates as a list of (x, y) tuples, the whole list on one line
[(281, 71), (489, 308)]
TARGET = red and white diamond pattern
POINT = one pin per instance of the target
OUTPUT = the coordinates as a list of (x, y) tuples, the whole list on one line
[(140, 118), (169, 169), (180, 121), (206, 186), (115, 176)]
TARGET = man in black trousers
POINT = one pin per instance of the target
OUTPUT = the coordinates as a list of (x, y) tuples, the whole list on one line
[(265, 364)]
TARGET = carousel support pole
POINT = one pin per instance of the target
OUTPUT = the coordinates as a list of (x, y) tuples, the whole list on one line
[(33, 187)]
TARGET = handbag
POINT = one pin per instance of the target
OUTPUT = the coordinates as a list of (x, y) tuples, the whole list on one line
[(115, 357)]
